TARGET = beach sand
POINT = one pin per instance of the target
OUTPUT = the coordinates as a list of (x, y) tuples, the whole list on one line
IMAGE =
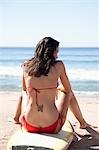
[(84, 139)]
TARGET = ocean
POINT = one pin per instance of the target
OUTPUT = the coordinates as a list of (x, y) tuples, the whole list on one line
[(82, 66)]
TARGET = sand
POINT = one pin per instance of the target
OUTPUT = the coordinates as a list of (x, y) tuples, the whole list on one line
[(84, 138)]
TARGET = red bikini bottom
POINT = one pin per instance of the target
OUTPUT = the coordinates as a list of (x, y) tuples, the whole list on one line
[(33, 129)]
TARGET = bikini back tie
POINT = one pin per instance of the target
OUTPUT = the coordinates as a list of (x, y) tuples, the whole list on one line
[(30, 89)]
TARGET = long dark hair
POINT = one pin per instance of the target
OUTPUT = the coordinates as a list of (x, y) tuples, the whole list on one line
[(43, 57)]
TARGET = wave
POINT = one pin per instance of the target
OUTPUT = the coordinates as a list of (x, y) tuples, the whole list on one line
[(82, 74), (76, 58), (73, 74), (11, 71), (87, 93)]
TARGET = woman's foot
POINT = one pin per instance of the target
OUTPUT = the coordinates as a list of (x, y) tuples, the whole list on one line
[(14, 120), (84, 125)]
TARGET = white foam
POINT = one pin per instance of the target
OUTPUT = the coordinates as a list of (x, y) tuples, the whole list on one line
[(73, 74), (10, 71), (82, 74), (87, 93)]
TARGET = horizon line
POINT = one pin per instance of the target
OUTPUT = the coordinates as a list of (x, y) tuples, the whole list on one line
[(59, 47)]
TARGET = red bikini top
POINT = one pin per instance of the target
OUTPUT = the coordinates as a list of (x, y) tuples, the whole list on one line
[(38, 91)]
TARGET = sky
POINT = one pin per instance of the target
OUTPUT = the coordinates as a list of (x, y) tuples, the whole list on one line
[(74, 23)]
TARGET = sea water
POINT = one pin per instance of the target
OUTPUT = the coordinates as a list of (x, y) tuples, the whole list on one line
[(82, 67)]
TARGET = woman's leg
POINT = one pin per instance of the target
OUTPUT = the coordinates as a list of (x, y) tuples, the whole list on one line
[(62, 104), (74, 107), (15, 119), (18, 110)]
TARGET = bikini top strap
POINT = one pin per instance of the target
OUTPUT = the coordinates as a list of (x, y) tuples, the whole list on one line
[(38, 91)]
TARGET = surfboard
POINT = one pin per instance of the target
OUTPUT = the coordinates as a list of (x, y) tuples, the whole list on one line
[(22, 140)]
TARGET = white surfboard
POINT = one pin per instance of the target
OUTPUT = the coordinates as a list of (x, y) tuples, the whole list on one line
[(23, 140)]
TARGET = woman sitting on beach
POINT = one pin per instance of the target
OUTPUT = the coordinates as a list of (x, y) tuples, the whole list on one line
[(47, 101)]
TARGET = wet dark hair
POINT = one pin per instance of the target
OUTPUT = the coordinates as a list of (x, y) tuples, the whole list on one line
[(43, 57)]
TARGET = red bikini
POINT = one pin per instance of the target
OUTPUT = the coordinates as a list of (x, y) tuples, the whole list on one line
[(33, 129)]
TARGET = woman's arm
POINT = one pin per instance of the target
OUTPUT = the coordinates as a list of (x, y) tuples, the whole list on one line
[(24, 74), (65, 87), (23, 84)]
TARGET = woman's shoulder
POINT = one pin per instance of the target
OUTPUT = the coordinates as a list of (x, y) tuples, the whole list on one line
[(24, 64), (24, 67), (59, 63), (59, 66)]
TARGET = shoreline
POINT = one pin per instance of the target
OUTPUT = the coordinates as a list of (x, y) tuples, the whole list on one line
[(89, 105), (95, 94)]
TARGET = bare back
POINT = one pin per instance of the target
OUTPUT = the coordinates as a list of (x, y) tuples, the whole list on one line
[(42, 90)]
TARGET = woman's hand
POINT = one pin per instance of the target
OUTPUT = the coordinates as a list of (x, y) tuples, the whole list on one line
[(61, 88)]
